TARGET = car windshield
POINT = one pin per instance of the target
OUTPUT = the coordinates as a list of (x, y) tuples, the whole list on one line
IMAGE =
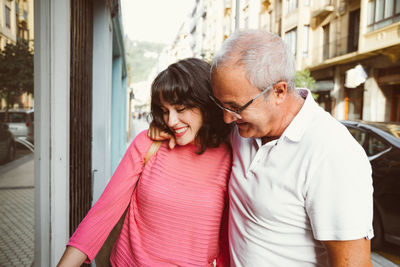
[(13, 117)]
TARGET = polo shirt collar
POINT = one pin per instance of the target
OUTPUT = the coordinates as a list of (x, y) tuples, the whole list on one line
[(298, 125)]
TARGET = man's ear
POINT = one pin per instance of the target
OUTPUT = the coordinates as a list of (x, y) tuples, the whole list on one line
[(280, 91)]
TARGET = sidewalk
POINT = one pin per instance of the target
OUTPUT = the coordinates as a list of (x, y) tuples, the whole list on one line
[(379, 261), (17, 212)]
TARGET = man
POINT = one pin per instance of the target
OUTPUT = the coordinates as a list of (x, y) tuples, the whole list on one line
[(301, 187)]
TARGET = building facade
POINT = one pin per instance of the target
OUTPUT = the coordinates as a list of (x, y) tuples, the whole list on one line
[(16, 24), (355, 58), (352, 47)]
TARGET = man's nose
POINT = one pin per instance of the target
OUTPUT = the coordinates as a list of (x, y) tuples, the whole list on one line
[(229, 118)]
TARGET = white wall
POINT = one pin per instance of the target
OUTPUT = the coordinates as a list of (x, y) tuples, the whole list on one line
[(102, 84), (52, 74)]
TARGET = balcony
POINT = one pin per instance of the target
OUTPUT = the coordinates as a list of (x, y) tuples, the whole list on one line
[(334, 49), (321, 11)]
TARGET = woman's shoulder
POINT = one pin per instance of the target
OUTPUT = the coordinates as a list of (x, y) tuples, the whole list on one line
[(142, 136), (141, 142)]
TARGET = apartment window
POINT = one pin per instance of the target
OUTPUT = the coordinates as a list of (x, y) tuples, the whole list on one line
[(354, 29), (382, 13), (306, 39), (325, 52), (264, 20), (7, 16), (246, 23), (291, 5), (291, 40)]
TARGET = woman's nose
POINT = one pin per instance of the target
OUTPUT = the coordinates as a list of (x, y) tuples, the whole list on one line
[(172, 119)]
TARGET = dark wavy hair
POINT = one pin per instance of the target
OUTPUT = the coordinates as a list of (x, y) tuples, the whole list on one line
[(187, 82)]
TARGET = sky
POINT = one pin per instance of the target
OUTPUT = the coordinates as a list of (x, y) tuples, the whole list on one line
[(154, 20)]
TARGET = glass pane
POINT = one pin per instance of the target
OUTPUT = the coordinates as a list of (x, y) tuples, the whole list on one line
[(360, 136), (16, 117), (371, 9), (306, 36), (287, 6), (389, 8), (379, 10), (376, 146), (397, 6)]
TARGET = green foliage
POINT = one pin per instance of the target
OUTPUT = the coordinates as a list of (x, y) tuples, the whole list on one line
[(304, 79), (16, 71), (207, 56), (141, 58)]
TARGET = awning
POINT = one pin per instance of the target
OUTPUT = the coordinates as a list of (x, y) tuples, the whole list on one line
[(355, 76), (323, 85)]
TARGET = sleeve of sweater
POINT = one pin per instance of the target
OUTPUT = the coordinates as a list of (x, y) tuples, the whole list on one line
[(102, 217)]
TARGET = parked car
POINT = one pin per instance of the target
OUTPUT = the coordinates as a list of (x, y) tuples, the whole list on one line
[(381, 142), (7, 144), (20, 123)]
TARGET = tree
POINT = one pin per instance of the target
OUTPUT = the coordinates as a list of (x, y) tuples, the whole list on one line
[(141, 58), (16, 72), (207, 56), (304, 79)]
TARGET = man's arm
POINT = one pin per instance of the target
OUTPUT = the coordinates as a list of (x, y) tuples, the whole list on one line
[(352, 253), (158, 135)]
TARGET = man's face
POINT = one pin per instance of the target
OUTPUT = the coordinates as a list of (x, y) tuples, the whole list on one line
[(233, 90)]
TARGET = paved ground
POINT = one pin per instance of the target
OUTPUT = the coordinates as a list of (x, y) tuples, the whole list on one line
[(17, 215), (17, 212)]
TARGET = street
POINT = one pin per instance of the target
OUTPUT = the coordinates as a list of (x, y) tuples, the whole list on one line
[(17, 214), (138, 125)]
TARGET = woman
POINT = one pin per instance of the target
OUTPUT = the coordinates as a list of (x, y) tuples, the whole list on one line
[(177, 215)]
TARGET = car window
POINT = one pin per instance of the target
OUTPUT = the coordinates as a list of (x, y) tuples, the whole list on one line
[(16, 117), (13, 117), (359, 135), (375, 145)]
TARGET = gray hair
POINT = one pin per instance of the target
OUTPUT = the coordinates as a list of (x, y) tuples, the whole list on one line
[(264, 56)]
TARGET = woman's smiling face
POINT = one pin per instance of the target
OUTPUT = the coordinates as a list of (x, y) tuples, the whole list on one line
[(182, 121)]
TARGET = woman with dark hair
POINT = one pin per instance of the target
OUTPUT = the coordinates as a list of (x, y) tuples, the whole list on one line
[(177, 213)]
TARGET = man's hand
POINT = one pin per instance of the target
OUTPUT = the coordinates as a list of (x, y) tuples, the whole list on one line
[(156, 134), (355, 253)]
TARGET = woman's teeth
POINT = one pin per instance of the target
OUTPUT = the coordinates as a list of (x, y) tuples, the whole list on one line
[(181, 130)]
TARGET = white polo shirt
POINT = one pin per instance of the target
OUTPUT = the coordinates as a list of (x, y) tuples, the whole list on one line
[(313, 183)]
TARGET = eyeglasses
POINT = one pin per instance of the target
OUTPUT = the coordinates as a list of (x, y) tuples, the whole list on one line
[(236, 113)]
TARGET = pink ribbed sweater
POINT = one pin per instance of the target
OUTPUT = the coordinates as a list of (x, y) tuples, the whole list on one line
[(175, 215)]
